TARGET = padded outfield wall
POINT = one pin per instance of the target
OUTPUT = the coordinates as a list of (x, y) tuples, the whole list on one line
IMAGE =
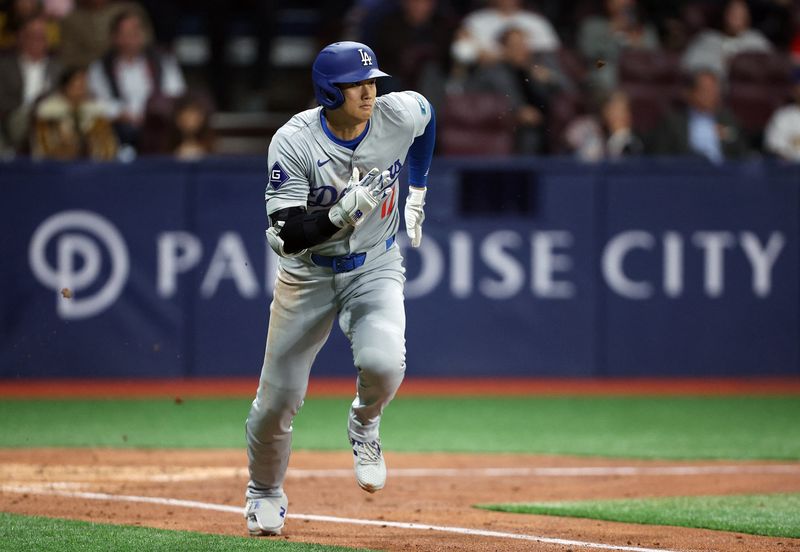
[(528, 268)]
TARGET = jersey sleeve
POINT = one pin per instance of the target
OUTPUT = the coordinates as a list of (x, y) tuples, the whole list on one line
[(287, 179), (417, 107), (420, 154)]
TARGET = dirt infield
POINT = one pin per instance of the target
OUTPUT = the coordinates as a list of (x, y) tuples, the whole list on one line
[(433, 489)]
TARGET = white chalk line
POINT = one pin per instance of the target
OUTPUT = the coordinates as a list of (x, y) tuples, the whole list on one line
[(178, 474), (599, 471), (36, 489)]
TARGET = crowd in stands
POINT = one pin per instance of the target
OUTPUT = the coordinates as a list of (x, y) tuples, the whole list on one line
[(86, 80), (592, 79)]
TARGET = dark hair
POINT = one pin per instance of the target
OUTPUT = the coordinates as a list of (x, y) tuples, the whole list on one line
[(15, 22), (30, 21), (119, 18), (718, 16), (690, 79), (68, 74), (205, 134)]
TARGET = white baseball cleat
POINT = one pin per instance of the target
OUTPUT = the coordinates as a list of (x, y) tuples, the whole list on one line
[(265, 516), (369, 465)]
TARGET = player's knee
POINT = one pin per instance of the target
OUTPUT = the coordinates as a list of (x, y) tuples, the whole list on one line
[(381, 362), (272, 414)]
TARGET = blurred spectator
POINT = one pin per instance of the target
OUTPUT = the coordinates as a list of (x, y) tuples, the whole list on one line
[(422, 62), (222, 24), (84, 32), (57, 9), (353, 19), (712, 49), (672, 22), (416, 27), (794, 44), (782, 136), (703, 127), (603, 39), (476, 40), (6, 152), (774, 19), (14, 14), (609, 136), (529, 80), (69, 124), (28, 71), (191, 136), (134, 79)]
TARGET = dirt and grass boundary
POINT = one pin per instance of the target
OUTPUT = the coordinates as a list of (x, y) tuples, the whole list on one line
[(246, 387)]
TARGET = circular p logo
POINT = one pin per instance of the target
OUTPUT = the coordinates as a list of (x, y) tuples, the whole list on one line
[(78, 237)]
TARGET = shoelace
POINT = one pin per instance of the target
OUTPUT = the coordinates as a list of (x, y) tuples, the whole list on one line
[(368, 452)]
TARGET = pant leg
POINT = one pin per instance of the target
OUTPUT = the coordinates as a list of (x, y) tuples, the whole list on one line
[(373, 318), (301, 316)]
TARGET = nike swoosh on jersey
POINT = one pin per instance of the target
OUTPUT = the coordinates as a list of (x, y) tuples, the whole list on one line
[(320, 162)]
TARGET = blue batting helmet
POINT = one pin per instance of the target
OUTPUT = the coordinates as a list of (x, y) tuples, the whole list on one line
[(342, 62)]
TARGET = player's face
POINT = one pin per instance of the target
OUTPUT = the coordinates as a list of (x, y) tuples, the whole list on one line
[(359, 99)]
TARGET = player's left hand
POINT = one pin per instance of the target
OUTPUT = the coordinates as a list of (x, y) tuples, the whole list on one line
[(415, 214), (276, 242)]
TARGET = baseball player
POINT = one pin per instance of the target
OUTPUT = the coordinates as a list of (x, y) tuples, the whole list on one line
[(332, 207)]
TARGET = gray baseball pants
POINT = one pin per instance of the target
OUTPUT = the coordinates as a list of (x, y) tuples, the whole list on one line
[(307, 299)]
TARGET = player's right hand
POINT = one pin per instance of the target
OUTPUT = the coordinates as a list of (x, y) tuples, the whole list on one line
[(360, 197), (415, 214)]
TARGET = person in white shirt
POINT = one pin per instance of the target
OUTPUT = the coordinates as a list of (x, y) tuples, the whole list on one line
[(782, 136), (713, 49), (133, 78), (27, 72), (476, 40)]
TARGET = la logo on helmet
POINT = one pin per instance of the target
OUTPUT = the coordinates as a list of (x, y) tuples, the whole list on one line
[(365, 57)]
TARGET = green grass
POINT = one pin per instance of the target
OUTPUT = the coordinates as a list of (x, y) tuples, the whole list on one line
[(635, 427), (56, 535), (773, 515)]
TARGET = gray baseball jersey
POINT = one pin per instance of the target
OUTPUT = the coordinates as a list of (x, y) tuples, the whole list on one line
[(308, 169)]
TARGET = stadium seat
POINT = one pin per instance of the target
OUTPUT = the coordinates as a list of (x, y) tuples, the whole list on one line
[(761, 67), (752, 104), (652, 80), (563, 109), (573, 66), (649, 105), (655, 67), (758, 84), (477, 124)]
